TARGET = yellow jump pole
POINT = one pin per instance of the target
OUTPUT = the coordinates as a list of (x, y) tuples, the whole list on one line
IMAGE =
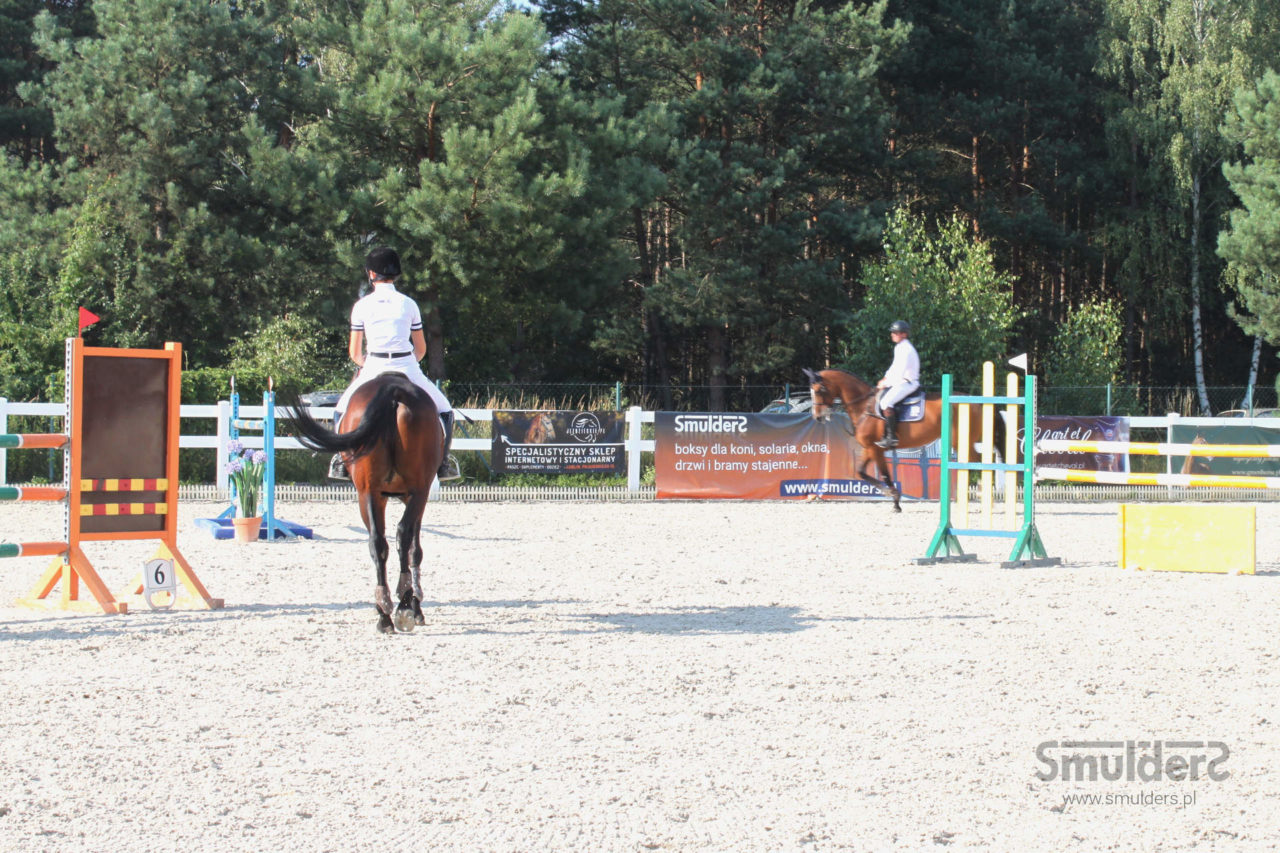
[(963, 445), (986, 493), (1011, 454)]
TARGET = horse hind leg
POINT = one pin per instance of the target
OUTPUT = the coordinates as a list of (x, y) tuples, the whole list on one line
[(409, 612), (884, 483), (415, 567), (373, 509)]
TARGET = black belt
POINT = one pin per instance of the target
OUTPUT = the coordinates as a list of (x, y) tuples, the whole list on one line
[(391, 354)]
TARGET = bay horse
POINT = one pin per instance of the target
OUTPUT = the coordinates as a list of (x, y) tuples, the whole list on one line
[(393, 443), (859, 398)]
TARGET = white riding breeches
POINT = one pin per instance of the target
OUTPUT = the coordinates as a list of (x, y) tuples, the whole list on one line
[(898, 393), (408, 365)]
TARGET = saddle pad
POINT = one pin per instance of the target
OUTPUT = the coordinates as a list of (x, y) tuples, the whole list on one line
[(912, 408), (909, 409)]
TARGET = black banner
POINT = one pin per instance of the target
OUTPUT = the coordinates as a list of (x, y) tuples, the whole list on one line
[(527, 442), (1082, 428)]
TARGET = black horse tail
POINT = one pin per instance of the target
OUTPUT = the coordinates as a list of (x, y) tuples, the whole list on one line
[(377, 427)]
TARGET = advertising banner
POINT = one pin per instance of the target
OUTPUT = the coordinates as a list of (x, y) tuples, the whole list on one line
[(1247, 467), (1071, 428), (771, 456), (527, 442)]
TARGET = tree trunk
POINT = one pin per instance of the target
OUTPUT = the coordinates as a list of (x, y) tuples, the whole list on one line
[(1197, 324), (717, 366), (1250, 403), (433, 330)]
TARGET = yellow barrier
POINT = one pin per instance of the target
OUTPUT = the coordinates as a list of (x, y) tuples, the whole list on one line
[(1188, 538)]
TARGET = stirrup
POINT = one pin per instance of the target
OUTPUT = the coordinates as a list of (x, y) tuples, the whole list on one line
[(338, 468), (887, 443), (449, 469)]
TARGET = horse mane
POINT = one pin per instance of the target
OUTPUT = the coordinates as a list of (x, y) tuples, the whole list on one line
[(848, 373)]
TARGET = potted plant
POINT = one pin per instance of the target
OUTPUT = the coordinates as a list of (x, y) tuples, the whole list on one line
[(246, 468)]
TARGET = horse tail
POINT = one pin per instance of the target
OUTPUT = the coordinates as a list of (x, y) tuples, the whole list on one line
[(377, 426)]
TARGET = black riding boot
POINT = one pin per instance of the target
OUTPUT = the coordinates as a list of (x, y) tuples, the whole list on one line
[(337, 468), (448, 465), (890, 430)]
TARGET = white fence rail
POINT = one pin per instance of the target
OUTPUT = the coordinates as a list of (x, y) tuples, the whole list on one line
[(633, 444)]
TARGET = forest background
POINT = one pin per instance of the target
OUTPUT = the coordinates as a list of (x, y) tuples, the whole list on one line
[(667, 194)]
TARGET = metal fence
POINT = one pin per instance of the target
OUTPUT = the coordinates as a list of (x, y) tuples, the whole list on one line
[(1132, 400)]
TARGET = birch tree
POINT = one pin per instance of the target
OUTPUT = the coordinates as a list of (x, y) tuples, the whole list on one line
[(1185, 59)]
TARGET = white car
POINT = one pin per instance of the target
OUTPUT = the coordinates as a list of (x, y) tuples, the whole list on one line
[(798, 402)]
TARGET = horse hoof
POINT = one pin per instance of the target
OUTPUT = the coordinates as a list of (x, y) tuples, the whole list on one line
[(897, 508), (404, 619), (384, 625)]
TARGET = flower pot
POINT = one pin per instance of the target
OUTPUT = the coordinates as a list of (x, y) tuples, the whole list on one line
[(247, 528)]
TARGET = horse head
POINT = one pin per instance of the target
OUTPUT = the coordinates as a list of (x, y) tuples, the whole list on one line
[(821, 394)]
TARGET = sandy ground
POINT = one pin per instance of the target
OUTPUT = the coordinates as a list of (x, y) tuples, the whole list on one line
[(643, 676)]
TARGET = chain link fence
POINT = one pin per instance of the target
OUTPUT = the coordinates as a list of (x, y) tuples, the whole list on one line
[(1131, 400)]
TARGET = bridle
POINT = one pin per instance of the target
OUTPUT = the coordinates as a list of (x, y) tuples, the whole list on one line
[(852, 430)]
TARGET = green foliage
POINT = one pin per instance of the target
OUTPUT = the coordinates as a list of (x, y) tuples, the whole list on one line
[(1087, 348), (297, 352), (671, 192), (947, 287), (32, 329), (1086, 354), (1252, 244)]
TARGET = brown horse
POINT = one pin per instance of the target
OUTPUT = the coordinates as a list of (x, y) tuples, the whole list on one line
[(859, 398), (394, 442)]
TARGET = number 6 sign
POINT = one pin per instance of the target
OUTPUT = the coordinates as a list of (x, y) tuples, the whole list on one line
[(158, 576)]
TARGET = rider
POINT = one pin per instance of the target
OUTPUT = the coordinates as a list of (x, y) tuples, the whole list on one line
[(391, 325), (902, 378)]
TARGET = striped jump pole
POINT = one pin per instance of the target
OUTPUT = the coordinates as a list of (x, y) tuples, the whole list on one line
[(32, 549), (1141, 448), (1150, 448), (11, 441), (32, 493), (1124, 478)]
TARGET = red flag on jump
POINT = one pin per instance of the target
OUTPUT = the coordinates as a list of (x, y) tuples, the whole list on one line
[(87, 318)]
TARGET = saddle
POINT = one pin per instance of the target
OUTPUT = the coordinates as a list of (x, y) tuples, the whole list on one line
[(910, 408)]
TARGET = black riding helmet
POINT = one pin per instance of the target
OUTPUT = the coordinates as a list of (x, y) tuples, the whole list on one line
[(900, 326), (383, 262)]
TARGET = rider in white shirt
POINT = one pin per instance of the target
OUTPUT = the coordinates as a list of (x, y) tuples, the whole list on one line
[(902, 378), (386, 335)]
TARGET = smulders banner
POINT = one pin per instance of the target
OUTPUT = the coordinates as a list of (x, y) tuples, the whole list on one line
[(1082, 429), (558, 443), (770, 456)]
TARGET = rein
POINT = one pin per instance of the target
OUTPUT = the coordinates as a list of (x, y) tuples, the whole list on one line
[(848, 406)]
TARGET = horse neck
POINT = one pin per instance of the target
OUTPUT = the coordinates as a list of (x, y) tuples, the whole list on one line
[(852, 389)]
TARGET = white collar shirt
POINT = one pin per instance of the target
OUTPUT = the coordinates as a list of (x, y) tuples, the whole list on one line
[(388, 319), (906, 364)]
